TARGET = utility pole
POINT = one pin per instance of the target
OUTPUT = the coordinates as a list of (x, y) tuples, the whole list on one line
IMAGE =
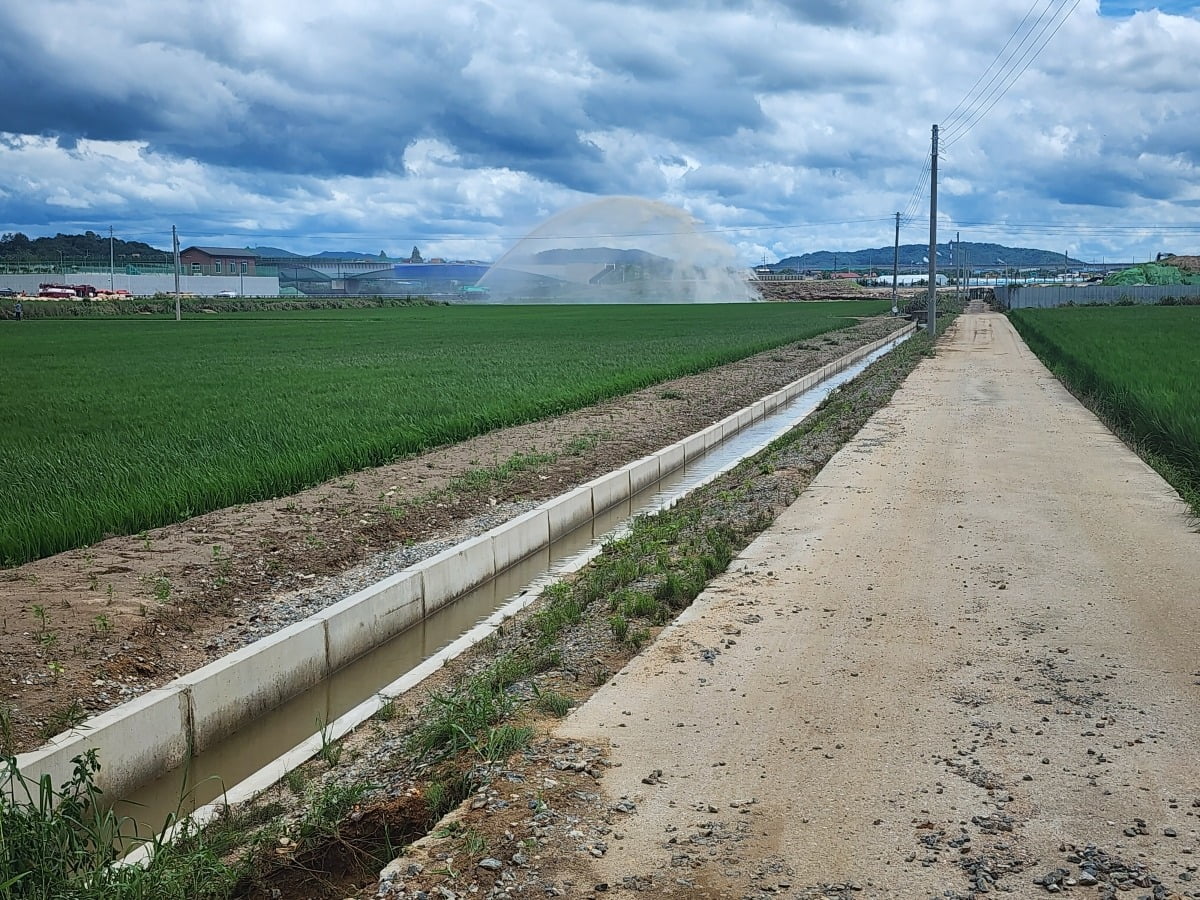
[(931, 325), (175, 246), (957, 263), (895, 265), (111, 286)]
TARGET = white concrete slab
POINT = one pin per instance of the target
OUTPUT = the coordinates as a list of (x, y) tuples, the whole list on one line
[(368, 618), (609, 490), (714, 434), (134, 742), (456, 571), (671, 458), (519, 537), (568, 512), (695, 445), (251, 681), (643, 473)]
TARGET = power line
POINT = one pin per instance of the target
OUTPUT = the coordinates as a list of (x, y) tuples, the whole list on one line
[(1085, 228), (1001, 79), (429, 236), (908, 216), (970, 100), (949, 121), (998, 92), (914, 200)]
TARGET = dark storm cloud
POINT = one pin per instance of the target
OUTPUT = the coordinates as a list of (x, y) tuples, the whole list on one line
[(205, 95), (842, 13), (343, 102), (38, 99), (549, 149)]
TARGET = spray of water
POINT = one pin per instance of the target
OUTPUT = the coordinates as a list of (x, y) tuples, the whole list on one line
[(618, 250)]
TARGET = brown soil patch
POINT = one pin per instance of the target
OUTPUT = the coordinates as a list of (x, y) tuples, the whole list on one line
[(1187, 263), (330, 868), (812, 290), (88, 629)]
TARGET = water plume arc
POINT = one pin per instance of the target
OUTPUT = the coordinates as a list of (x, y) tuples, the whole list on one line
[(618, 250)]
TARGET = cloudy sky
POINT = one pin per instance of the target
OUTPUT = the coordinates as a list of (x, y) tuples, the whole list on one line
[(783, 125)]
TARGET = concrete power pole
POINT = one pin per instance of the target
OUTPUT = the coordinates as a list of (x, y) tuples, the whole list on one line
[(931, 321), (957, 268), (175, 245), (966, 276), (111, 286), (895, 265)]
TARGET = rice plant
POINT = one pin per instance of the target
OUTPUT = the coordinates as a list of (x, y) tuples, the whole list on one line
[(116, 426), (1137, 367)]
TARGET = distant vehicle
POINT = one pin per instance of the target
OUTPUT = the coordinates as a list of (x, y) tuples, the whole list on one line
[(67, 291), (225, 295), (57, 292), (7, 292)]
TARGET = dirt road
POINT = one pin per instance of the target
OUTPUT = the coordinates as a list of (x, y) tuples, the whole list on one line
[(965, 659)]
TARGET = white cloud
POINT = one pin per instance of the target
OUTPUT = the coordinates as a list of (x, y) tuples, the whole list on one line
[(460, 123)]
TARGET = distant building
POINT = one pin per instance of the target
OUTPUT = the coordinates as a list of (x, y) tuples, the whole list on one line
[(910, 280), (217, 261)]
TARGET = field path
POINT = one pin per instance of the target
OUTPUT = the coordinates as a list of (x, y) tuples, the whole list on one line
[(968, 653)]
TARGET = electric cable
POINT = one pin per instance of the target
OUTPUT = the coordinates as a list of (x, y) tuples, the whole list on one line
[(949, 121), (998, 92)]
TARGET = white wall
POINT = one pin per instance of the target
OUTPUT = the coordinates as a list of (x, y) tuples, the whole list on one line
[(148, 285)]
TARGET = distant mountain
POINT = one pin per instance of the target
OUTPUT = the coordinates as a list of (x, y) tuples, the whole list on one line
[(277, 253), (914, 255), (603, 255), (348, 254)]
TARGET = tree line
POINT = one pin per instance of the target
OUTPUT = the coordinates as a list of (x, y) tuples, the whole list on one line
[(16, 247)]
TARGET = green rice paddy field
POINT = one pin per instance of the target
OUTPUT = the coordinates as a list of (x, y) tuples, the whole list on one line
[(115, 426), (1139, 368)]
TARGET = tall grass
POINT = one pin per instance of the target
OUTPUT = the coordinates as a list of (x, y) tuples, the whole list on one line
[(1139, 368), (61, 843), (117, 425)]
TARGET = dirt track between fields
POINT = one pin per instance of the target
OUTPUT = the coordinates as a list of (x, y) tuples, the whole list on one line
[(964, 661)]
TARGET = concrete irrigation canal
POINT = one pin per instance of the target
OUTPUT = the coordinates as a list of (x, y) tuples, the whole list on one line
[(235, 726)]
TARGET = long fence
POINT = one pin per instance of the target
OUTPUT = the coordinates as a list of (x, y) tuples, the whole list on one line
[(1036, 296)]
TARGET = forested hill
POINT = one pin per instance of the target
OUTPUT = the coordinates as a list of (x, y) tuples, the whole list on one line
[(914, 255), (16, 247)]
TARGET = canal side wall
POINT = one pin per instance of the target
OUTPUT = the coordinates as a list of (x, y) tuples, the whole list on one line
[(154, 733)]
